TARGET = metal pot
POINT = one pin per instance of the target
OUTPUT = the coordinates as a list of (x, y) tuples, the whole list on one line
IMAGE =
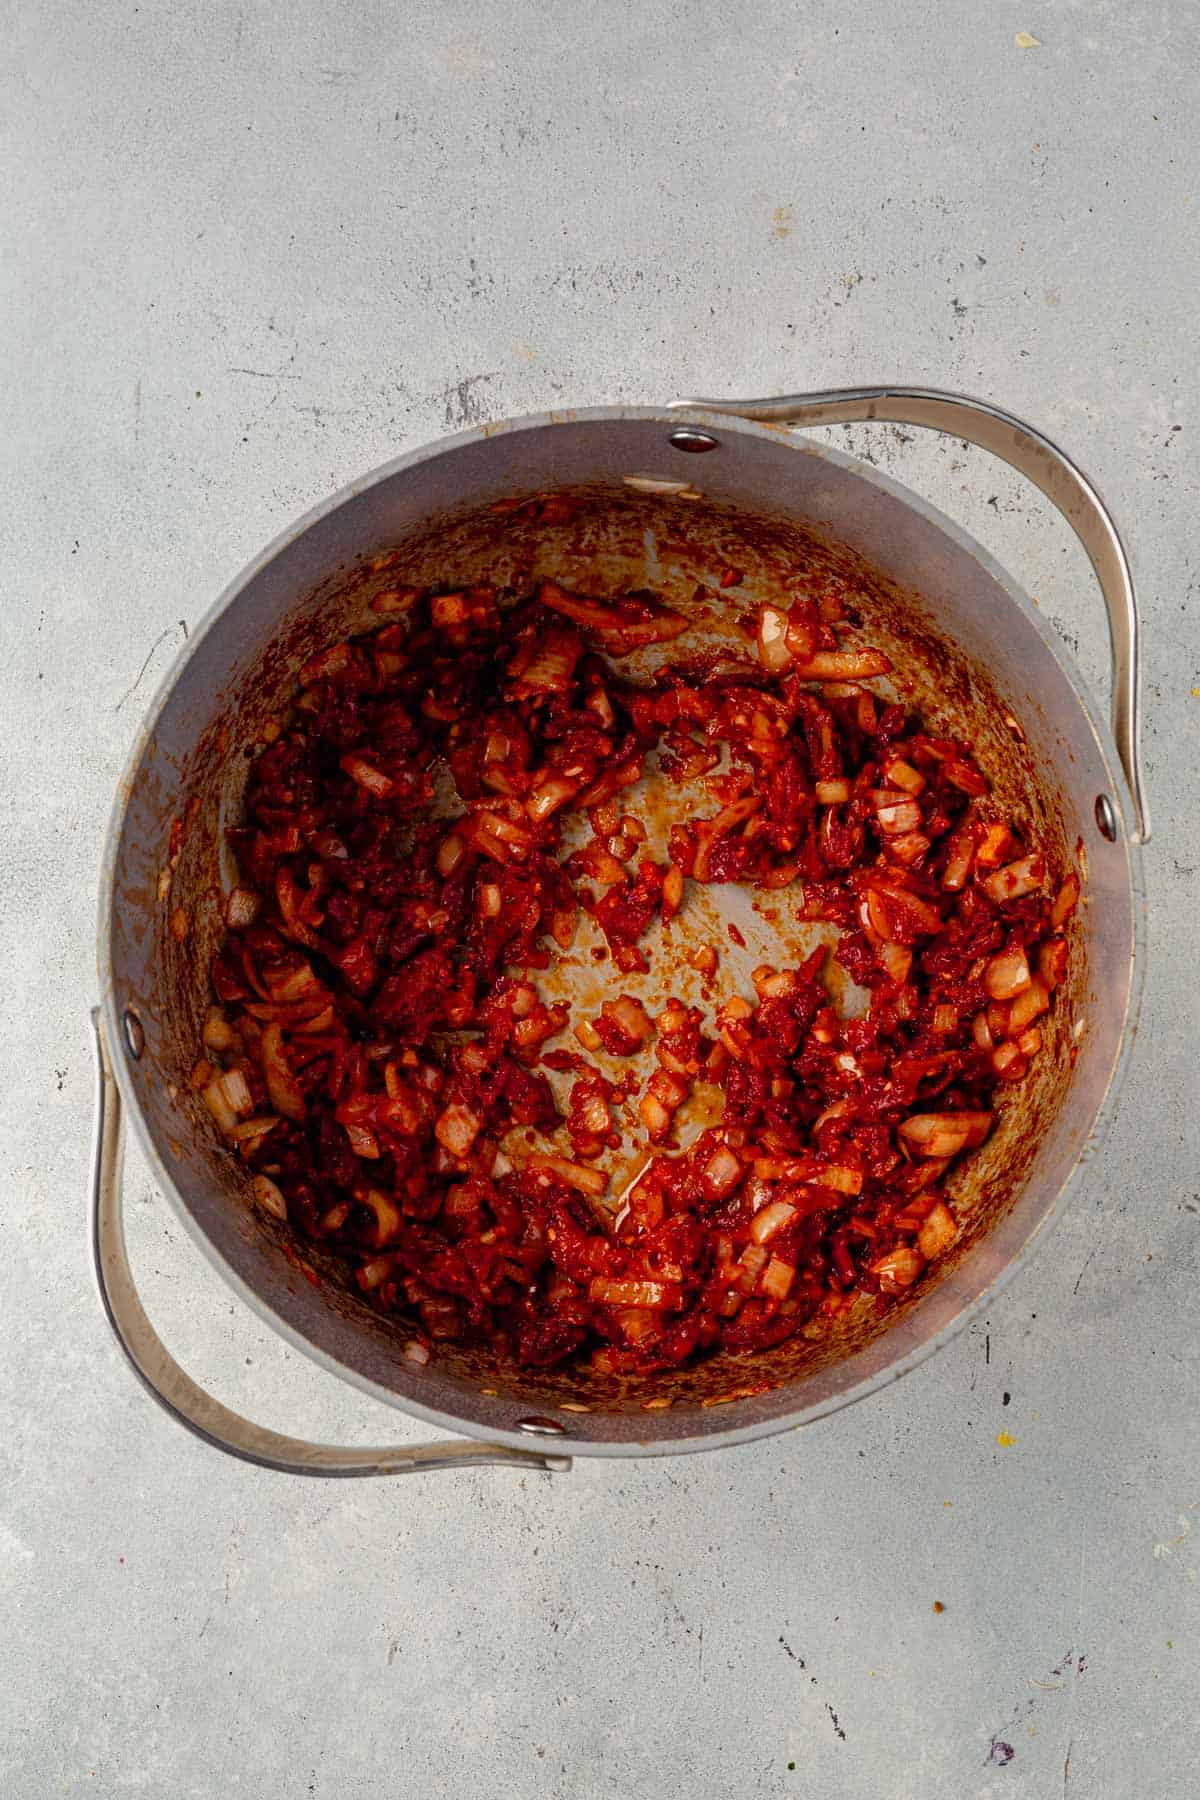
[(665, 493)]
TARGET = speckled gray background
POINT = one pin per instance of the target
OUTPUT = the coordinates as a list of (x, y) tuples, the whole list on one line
[(252, 250)]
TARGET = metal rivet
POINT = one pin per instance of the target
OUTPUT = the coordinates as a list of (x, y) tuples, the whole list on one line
[(539, 1427), (693, 441), (1106, 818), (135, 1033)]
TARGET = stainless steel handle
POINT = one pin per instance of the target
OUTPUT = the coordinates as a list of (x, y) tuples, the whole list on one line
[(179, 1395), (1034, 455)]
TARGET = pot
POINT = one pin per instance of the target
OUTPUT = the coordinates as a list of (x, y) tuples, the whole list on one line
[(663, 494)]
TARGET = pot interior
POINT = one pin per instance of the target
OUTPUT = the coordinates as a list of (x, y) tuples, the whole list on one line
[(966, 654)]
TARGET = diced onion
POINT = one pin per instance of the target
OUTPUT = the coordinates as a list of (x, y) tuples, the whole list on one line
[(451, 851), (996, 843), (833, 1175), (751, 1263), (902, 775), (456, 1128), (898, 1269), (250, 1132), (554, 792), (938, 1231), (1028, 1005), (269, 1196), (654, 1116), (1009, 1062), (218, 1033), (1065, 902), (722, 1172), (213, 1096), (898, 816), (958, 865), (363, 1142), (773, 650), (368, 776), (908, 847), (777, 1279), (629, 1016), (374, 1273), (1007, 974), (388, 1218), (896, 960), (1052, 962), (1015, 880), (237, 1092), (843, 665), (945, 1134), (286, 1095), (770, 1219), (576, 1175), (595, 1115)]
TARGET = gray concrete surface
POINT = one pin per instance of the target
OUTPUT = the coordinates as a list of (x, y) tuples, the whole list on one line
[(251, 250)]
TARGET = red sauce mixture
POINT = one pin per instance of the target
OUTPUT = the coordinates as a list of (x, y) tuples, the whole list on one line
[(379, 1053)]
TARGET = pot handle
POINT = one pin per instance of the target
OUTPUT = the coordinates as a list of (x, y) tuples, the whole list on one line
[(1034, 455), (179, 1395)]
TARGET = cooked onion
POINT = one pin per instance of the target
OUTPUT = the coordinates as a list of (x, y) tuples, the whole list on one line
[(1016, 879), (1007, 974), (457, 1128), (1052, 962), (1028, 1005), (286, 1095), (902, 775), (938, 1231), (237, 1092), (218, 1033), (777, 1279), (269, 1196), (722, 1172), (945, 1134), (368, 776), (450, 853), (388, 1218), (213, 1096), (553, 792), (898, 1269), (576, 1175), (770, 1219), (1065, 902), (843, 665), (773, 650)]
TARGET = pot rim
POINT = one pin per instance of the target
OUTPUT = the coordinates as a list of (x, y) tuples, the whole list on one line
[(566, 1443)]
